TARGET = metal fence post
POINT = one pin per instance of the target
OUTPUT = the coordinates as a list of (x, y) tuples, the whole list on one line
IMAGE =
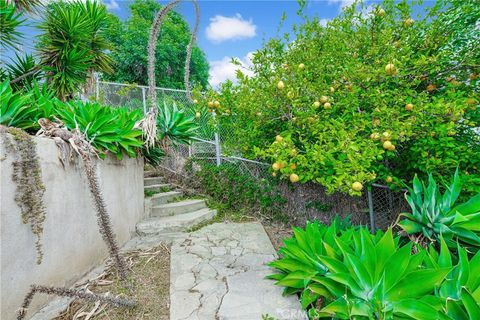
[(218, 152), (144, 99), (97, 87), (370, 209)]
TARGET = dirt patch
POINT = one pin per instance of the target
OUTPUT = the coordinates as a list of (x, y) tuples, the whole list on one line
[(148, 284), (277, 233)]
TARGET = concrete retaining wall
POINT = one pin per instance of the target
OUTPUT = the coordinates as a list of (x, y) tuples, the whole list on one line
[(72, 245)]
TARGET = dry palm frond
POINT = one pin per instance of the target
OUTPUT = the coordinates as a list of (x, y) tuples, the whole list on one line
[(64, 292), (149, 123), (77, 141)]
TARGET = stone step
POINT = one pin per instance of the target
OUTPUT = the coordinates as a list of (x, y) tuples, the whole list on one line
[(181, 207), (178, 223), (150, 181), (165, 197), (149, 173), (157, 187)]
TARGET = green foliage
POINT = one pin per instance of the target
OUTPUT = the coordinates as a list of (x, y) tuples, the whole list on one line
[(108, 129), (10, 20), (15, 107), (72, 44), (338, 96), (239, 191), (130, 39), (174, 125), (460, 292), (153, 156), (299, 262), (20, 66), (434, 214), (355, 274)]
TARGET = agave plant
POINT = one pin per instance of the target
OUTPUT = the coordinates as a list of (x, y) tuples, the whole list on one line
[(15, 108), (434, 214), (108, 129), (299, 262), (376, 278), (459, 295), (174, 125)]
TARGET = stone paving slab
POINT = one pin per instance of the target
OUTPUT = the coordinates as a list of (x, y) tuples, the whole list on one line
[(218, 272)]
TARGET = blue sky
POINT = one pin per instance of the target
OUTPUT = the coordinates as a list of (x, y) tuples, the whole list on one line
[(233, 28)]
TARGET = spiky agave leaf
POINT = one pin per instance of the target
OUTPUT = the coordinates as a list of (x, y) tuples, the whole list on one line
[(375, 277), (434, 214), (174, 125)]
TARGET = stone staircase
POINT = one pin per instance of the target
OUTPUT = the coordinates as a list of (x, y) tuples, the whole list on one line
[(166, 213)]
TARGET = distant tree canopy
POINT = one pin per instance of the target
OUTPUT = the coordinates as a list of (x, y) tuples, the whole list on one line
[(130, 39)]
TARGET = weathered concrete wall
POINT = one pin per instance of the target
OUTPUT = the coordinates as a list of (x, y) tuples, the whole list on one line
[(72, 245)]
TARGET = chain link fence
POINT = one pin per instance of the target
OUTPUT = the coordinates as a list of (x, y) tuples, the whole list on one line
[(378, 207)]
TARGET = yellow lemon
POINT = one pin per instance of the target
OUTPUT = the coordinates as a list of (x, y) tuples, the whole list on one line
[(390, 69), (276, 166), (357, 186), (387, 145), (280, 85), (294, 178)]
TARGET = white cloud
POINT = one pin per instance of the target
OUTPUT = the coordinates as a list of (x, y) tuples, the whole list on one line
[(224, 69), (112, 5), (323, 22), (223, 28), (343, 3)]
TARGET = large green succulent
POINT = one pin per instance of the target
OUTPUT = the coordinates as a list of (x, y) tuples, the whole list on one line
[(434, 214), (300, 263), (352, 274), (15, 108), (459, 295), (174, 125), (108, 129)]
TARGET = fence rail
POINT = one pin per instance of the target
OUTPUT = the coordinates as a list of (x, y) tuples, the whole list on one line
[(380, 204)]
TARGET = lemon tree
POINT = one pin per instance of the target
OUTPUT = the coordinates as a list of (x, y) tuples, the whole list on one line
[(376, 95)]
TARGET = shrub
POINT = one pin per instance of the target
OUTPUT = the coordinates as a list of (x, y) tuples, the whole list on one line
[(228, 185), (434, 214), (366, 98)]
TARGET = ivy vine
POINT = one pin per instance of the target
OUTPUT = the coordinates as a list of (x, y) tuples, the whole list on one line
[(27, 175)]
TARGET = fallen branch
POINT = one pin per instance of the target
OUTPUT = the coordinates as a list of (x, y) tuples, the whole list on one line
[(64, 292)]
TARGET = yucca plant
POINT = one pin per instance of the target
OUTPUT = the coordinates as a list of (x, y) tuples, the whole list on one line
[(108, 129), (72, 46), (10, 20), (374, 277), (459, 295), (434, 214), (24, 68), (299, 262), (174, 126)]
